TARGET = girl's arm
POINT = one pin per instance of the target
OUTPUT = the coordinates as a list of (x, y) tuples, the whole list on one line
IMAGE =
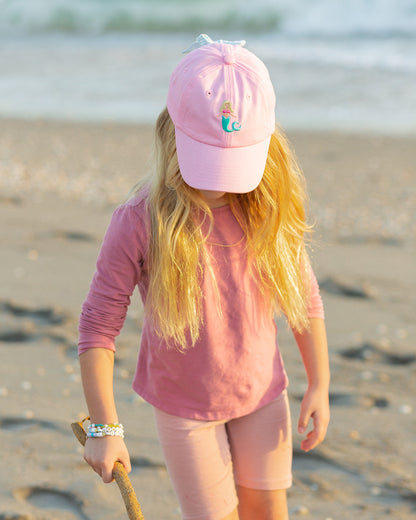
[(102, 317), (315, 404), (97, 379)]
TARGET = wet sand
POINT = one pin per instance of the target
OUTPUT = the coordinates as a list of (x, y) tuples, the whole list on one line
[(59, 183)]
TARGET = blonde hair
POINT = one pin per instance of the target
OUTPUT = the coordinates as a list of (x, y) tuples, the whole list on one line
[(272, 217)]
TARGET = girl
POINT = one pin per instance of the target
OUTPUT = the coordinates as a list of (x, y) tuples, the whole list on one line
[(215, 242)]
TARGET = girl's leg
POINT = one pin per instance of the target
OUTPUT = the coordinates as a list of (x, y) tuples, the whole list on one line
[(198, 460), (261, 448), (232, 516)]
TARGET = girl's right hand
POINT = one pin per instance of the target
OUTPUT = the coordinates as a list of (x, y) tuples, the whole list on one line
[(101, 453)]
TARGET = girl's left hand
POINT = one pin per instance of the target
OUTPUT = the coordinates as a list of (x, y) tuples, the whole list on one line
[(315, 406)]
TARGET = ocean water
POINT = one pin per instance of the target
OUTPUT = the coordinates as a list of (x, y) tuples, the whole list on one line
[(336, 64)]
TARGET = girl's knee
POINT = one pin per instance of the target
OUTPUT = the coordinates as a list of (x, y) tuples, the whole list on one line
[(262, 504)]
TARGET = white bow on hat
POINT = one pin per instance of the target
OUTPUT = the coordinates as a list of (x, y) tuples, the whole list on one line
[(204, 39)]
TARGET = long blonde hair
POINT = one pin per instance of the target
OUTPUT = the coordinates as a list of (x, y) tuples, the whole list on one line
[(272, 217)]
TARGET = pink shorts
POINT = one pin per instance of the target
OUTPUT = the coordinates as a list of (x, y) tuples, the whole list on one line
[(206, 459)]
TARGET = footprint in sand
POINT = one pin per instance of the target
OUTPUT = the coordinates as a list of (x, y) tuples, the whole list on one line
[(330, 480), (346, 288), (68, 235), (371, 239), (21, 423), (144, 462), (42, 316), (376, 354), (17, 336), (24, 323), (313, 460), (364, 401), (326, 477), (354, 400), (54, 499)]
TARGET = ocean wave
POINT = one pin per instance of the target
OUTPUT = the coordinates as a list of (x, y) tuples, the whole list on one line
[(127, 16), (324, 18), (355, 19)]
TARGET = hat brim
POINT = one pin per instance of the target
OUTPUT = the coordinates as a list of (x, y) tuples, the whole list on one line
[(233, 170)]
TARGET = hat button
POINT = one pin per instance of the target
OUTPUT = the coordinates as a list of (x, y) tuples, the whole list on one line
[(229, 56)]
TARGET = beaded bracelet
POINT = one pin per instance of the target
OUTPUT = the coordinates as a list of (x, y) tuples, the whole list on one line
[(102, 430)]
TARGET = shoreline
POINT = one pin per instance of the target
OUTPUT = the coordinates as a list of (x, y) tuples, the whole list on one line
[(98, 164)]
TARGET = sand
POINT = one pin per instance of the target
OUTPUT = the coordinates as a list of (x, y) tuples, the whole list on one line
[(59, 183)]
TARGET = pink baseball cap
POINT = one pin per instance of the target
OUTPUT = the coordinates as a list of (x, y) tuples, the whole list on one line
[(222, 103)]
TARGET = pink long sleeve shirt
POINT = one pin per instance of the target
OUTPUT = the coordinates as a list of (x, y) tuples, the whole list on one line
[(235, 367)]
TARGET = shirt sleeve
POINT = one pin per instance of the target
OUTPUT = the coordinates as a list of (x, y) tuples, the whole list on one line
[(315, 306), (118, 270)]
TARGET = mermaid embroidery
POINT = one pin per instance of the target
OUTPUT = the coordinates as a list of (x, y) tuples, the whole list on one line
[(227, 112)]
